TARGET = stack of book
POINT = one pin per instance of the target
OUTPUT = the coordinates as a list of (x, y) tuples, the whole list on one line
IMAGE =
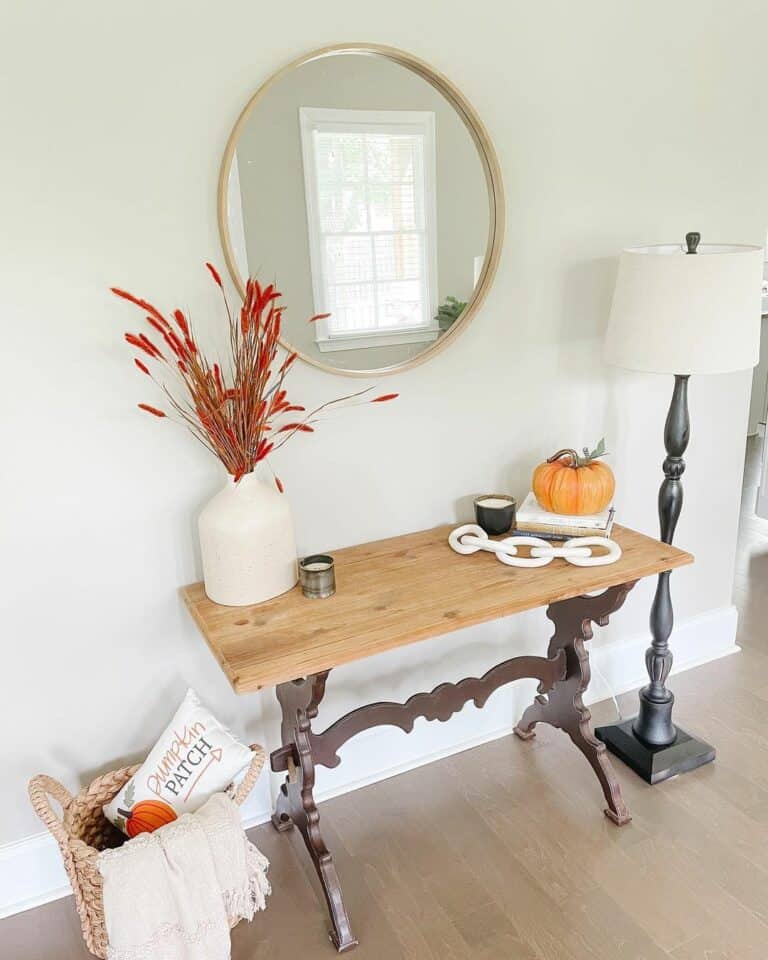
[(534, 521)]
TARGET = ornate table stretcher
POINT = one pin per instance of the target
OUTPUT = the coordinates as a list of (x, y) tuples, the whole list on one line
[(395, 592)]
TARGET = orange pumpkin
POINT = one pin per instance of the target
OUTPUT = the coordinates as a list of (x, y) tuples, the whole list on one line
[(574, 485), (147, 816)]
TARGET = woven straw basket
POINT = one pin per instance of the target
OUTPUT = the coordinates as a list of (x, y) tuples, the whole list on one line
[(82, 831)]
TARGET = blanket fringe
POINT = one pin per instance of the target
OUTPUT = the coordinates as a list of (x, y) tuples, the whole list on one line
[(243, 904)]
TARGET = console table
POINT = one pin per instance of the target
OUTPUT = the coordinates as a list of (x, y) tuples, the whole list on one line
[(399, 591)]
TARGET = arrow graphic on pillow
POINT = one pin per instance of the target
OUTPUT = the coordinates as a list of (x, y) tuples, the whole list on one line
[(214, 757)]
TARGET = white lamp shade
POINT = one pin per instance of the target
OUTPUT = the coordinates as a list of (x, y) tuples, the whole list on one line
[(675, 312)]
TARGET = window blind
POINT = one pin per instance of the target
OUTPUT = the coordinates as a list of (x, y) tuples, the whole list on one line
[(370, 227)]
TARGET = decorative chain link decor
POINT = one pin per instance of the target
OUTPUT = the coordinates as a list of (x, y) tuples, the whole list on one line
[(470, 538)]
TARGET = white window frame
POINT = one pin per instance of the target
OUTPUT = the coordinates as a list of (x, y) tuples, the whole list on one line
[(313, 119)]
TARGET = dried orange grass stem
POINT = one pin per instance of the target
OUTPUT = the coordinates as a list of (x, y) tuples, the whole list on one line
[(234, 414)]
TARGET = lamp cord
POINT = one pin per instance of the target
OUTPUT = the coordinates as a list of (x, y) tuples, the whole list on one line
[(605, 683)]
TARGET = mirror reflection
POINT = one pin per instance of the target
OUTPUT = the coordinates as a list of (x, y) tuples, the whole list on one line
[(355, 185)]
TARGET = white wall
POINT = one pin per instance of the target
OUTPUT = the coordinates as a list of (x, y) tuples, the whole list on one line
[(615, 123)]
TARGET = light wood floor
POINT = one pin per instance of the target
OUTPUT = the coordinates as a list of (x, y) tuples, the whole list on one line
[(502, 851)]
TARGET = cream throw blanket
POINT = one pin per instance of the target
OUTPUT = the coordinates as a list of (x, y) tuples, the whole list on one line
[(175, 893)]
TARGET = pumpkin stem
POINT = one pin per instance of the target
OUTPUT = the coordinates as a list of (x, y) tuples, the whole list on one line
[(574, 457), (124, 813)]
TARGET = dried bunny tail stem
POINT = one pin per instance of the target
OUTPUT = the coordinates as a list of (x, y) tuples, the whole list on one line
[(384, 398), (146, 345), (278, 481), (152, 349), (263, 450), (181, 322), (324, 406), (197, 432), (203, 427), (288, 362), (217, 280), (215, 274), (144, 304), (156, 325), (150, 409), (331, 403), (293, 427)]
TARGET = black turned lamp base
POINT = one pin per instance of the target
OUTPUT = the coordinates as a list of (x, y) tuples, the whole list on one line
[(655, 764)]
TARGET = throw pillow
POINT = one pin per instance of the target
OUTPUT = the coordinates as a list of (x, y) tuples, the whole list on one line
[(194, 758)]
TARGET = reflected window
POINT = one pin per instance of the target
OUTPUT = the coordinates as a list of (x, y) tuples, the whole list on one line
[(370, 193)]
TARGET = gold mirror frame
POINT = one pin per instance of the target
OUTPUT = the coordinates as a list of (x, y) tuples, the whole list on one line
[(488, 159)]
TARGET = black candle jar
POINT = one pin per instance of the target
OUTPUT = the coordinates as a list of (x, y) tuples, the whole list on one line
[(495, 513)]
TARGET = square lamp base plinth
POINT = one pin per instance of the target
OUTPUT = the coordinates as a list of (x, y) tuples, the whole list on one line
[(655, 764)]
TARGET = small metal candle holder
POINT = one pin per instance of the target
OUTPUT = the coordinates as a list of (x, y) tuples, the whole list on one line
[(317, 576), (495, 513)]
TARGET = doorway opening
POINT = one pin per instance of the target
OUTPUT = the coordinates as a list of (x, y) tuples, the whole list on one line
[(750, 588)]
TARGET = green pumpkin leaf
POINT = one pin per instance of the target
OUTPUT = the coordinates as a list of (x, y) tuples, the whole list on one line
[(598, 452), (130, 792), (120, 823)]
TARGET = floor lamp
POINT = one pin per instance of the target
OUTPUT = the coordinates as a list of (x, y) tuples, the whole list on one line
[(677, 310)]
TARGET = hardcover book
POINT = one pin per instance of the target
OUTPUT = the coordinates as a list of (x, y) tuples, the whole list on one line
[(532, 518)]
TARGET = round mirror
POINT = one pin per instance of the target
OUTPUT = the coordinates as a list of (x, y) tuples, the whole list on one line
[(363, 184)]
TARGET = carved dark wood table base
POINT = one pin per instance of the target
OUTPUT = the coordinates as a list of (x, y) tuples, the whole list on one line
[(563, 677)]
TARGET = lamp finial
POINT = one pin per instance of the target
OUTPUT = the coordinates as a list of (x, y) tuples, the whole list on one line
[(692, 241)]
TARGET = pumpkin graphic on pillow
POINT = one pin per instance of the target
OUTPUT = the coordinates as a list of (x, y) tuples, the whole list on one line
[(146, 817)]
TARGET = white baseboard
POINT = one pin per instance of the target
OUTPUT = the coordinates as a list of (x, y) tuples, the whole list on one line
[(620, 667), (31, 871)]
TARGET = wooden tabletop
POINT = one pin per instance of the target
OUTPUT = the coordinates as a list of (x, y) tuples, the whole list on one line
[(393, 592)]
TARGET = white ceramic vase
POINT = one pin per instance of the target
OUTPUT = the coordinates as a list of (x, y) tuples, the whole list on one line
[(247, 543)]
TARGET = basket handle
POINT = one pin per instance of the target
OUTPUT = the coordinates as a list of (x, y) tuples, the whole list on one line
[(41, 788), (252, 774)]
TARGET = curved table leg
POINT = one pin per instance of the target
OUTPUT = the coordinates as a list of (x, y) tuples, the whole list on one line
[(563, 707), (295, 806)]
